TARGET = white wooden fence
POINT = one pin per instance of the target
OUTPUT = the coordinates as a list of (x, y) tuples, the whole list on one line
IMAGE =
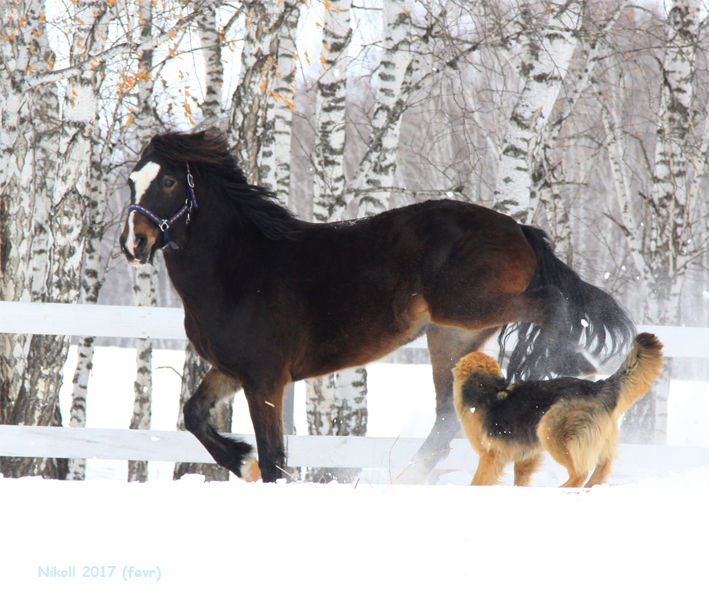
[(167, 323), (306, 451)]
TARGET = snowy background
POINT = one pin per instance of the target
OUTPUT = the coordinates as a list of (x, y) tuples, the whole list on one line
[(641, 534)]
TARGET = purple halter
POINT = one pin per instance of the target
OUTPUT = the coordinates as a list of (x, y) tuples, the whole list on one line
[(165, 224)]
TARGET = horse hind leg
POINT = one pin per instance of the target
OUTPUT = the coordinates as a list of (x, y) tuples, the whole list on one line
[(446, 346), (235, 455)]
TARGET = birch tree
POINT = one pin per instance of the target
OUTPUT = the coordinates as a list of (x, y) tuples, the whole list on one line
[(48, 154), (395, 65), (92, 279), (330, 105), (275, 149), (26, 146), (92, 35), (548, 173), (265, 23), (544, 62), (664, 244), (145, 277)]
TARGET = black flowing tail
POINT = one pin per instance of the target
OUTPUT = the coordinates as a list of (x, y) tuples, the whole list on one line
[(598, 324)]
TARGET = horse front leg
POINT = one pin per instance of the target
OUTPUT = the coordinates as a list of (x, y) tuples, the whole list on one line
[(266, 409), (446, 346), (235, 455)]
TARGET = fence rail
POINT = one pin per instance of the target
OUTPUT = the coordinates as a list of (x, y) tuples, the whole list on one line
[(393, 454), (80, 320), (148, 445), (167, 323)]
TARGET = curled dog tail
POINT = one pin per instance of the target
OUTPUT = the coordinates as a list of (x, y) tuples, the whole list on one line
[(639, 370)]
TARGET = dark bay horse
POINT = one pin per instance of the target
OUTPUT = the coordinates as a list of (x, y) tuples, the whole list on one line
[(270, 299)]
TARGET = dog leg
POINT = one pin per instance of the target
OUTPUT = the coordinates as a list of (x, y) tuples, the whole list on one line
[(489, 469), (560, 453), (526, 468), (601, 473), (576, 479)]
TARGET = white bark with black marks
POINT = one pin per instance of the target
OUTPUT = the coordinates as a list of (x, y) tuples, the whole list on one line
[(544, 63), (330, 107), (52, 156), (210, 37), (275, 150), (396, 60)]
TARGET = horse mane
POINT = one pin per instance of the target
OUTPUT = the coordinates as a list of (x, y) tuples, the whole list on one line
[(209, 156)]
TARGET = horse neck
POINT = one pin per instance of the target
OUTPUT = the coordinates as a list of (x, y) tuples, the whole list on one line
[(223, 246), (193, 268)]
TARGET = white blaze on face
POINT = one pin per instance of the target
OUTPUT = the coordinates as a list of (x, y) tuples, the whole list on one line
[(141, 181)]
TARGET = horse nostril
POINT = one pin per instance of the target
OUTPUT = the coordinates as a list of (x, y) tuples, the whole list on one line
[(139, 243)]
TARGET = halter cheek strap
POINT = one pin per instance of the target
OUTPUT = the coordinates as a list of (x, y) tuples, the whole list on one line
[(165, 224)]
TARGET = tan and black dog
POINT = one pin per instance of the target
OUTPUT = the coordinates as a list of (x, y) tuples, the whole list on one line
[(574, 420)]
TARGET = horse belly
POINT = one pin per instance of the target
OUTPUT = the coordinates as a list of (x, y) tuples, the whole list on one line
[(370, 339)]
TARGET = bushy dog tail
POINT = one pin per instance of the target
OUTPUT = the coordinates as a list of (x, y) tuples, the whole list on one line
[(640, 369)]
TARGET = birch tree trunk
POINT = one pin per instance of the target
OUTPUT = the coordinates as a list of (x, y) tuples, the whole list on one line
[(336, 408), (26, 146), (407, 71), (322, 400), (249, 123), (145, 283), (146, 276), (210, 37), (666, 250), (545, 61), (53, 256), (92, 36), (394, 66), (93, 277), (545, 179), (330, 102), (275, 149)]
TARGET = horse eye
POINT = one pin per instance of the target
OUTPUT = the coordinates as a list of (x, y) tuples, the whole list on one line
[(168, 182)]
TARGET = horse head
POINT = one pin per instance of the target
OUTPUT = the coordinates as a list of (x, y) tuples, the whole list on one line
[(162, 201)]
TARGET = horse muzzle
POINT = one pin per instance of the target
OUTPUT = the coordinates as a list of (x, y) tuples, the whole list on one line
[(137, 248)]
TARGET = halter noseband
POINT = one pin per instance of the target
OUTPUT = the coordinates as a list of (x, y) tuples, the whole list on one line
[(165, 224)]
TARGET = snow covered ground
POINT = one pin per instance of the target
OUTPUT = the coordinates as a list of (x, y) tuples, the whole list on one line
[(640, 535)]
